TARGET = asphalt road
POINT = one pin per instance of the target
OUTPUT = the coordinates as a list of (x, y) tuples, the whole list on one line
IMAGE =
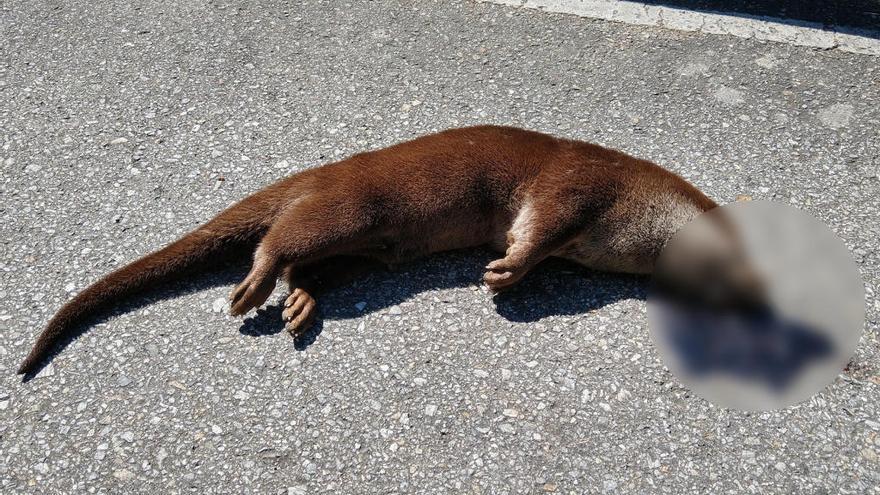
[(126, 124)]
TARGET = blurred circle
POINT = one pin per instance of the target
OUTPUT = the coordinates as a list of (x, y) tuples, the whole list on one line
[(756, 305)]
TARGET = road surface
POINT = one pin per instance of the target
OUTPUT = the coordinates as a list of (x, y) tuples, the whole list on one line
[(125, 124)]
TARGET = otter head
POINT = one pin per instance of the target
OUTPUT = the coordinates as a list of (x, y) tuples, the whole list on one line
[(707, 265)]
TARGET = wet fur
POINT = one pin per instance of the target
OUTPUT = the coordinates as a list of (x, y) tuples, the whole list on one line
[(526, 194)]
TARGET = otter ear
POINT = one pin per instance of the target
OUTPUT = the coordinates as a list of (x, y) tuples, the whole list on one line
[(743, 197)]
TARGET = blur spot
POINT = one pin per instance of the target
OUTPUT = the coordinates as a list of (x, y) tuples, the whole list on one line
[(756, 305)]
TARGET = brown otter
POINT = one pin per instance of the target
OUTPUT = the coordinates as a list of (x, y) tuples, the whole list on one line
[(526, 194)]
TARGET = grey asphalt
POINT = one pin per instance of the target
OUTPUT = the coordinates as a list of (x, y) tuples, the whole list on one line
[(125, 124)]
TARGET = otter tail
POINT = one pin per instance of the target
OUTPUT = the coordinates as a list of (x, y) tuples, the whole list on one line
[(239, 226)]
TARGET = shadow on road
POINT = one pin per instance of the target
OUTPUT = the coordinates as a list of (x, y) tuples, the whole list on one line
[(555, 287), (762, 347)]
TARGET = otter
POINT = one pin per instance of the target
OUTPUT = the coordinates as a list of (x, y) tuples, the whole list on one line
[(525, 194)]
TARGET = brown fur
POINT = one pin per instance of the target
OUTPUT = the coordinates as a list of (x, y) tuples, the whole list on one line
[(523, 193)]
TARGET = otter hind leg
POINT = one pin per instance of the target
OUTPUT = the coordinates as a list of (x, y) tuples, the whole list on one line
[(257, 286), (308, 281), (311, 229)]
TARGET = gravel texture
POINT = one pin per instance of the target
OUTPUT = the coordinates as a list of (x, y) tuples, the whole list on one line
[(126, 124)]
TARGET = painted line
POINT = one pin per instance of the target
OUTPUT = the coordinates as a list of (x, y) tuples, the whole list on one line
[(754, 27)]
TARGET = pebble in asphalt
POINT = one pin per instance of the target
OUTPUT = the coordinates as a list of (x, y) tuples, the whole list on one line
[(126, 124)]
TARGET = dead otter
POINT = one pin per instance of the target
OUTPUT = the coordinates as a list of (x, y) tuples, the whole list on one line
[(526, 194)]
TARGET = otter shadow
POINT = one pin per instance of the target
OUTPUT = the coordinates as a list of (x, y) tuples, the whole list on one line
[(763, 346), (267, 321), (553, 288)]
